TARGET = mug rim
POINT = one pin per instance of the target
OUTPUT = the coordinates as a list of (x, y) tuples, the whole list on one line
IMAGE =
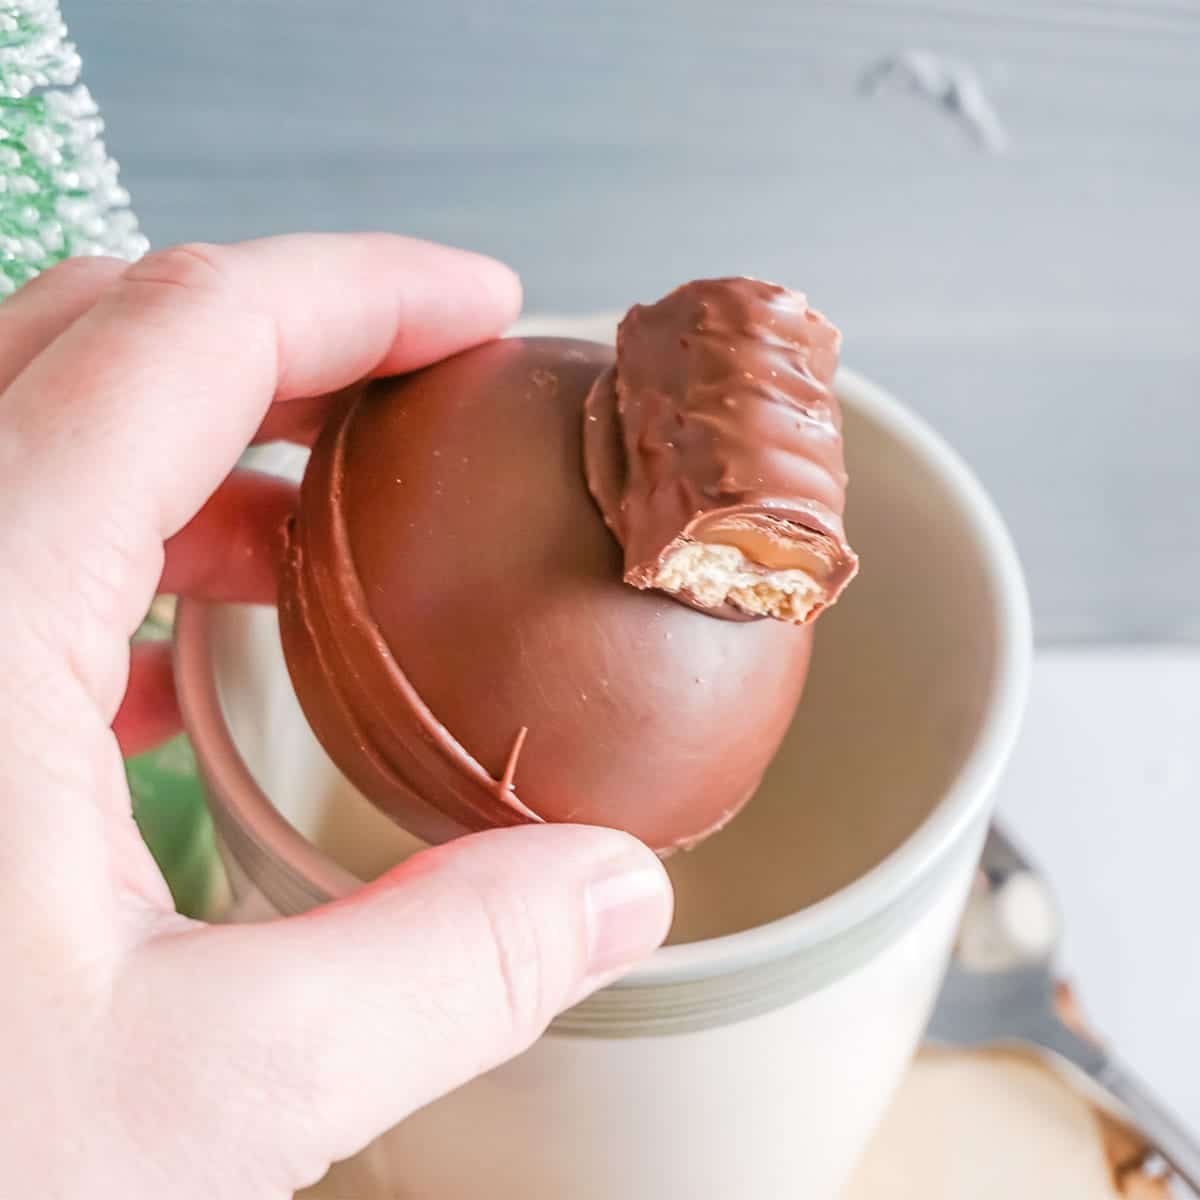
[(950, 820)]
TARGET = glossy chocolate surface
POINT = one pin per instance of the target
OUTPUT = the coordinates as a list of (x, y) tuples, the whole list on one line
[(458, 631), (718, 424)]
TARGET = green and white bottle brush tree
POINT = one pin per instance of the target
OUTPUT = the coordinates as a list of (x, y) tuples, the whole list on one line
[(59, 192)]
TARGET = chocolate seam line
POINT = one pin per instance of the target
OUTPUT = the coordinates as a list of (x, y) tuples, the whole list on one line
[(436, 734), (488, 802), (337, 667), (311, 615)]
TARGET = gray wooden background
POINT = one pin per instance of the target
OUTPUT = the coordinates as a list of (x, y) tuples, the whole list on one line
[(1039, 303)]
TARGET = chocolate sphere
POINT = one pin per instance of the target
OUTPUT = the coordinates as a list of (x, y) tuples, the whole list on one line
[(460, 637)]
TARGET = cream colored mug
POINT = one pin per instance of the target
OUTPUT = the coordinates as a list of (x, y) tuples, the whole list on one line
[(752, 1057)]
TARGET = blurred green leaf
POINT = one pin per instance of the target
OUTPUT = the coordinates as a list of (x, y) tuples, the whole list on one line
[(169, 804), (172, 816)]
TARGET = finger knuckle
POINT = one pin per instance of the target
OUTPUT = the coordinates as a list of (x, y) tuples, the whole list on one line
[(515, 940), (195, 267)]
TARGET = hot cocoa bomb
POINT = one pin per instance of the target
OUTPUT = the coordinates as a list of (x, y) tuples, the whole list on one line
[(546, 581)]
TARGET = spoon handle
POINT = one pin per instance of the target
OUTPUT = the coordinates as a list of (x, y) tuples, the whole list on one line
[(1177, 1145)]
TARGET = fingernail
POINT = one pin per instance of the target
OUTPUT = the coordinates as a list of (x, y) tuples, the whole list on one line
[(628, 913)]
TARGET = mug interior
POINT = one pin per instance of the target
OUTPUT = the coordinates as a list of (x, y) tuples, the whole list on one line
[(916, 677)]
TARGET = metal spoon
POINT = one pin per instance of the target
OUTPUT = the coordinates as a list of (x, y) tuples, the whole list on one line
[(1000, 989)]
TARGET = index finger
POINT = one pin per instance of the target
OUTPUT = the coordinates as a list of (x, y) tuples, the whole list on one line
[(127, 423), (176, 365)]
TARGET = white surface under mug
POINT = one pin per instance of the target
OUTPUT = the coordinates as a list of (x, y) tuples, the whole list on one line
[(753, 1056)]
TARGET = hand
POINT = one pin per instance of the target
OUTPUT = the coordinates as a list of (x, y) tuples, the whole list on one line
[(145, 1055)]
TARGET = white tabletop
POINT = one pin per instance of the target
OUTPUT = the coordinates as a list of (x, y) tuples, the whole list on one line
[(1104, 791)]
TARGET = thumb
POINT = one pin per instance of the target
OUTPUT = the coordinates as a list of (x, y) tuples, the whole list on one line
[(458, 959)]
